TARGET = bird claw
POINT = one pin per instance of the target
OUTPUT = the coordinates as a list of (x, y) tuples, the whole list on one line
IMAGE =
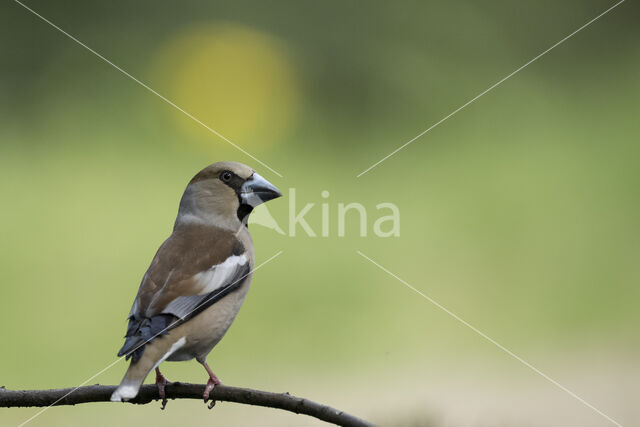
[(161, 382), (207, 391)]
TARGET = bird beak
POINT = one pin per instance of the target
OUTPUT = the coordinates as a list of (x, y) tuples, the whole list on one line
[(257, 190)]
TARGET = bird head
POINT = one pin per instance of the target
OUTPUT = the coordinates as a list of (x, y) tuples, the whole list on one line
[(224, 194)]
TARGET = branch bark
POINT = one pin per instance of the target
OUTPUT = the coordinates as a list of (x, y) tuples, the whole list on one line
[(176, 390)]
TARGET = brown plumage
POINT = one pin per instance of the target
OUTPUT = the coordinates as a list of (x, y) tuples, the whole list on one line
[(199, 277), (170, 277)]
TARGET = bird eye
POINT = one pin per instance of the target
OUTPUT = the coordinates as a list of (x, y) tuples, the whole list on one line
[(226, 176)]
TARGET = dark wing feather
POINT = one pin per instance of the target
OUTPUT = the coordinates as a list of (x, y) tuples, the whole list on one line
[(142, 331), (186, 307), (169, 295)]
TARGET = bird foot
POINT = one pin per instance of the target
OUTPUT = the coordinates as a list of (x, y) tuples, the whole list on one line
[(213, 381), (161, 382)]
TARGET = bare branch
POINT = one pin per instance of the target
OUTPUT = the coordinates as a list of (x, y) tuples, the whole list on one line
[(149, 392)]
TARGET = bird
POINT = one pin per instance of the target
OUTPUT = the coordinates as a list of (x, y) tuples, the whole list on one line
[(198, 278)]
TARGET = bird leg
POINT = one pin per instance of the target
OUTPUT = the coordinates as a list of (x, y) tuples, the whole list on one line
[(213, 381), (161, 381)]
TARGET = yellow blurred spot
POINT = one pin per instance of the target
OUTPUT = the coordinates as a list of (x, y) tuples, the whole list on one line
[(235, 79)]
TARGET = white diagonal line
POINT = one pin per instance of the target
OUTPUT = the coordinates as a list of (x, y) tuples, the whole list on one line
[(488, 89), (491, 340), (168, 101), (144, 343)]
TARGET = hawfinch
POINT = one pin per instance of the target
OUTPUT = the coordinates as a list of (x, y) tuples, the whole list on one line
[(198, 279)]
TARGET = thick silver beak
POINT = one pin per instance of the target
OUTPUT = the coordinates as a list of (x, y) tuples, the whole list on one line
[(257, 190)]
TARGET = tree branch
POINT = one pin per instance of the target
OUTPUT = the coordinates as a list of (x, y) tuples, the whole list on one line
[(176, 390)]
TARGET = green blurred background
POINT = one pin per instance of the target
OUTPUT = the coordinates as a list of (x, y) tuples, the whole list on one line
[(519, 214)]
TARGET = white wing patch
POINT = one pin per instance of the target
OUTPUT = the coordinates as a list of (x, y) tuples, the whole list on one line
[(219, 274), (210, 285)]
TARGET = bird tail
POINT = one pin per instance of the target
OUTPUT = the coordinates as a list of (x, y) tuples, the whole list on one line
[(157, 352), (133, 379)]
